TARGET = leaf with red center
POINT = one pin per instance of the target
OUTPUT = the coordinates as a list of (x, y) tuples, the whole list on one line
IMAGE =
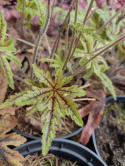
[(95, 111), (8, 156), (51, 101)]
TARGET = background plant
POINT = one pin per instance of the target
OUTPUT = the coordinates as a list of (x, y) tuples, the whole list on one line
[(6, 52), (93, 38), (30, 9)]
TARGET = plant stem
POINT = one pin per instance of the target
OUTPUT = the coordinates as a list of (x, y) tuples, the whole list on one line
[(84, 99), (44, 29), (74, 32), (84, 86), (102, 51), (75, 65), (103, 27), (56, 43), (84, 21), (91, 13), (47, 42), (66, 18), (68, 14), (85, 54), (20, 79), (22, 18), (54, 46), (52, 7), (66, 40)]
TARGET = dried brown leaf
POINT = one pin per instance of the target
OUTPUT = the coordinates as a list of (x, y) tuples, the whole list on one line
[(95, 111), (3, 86), (34, 121), (15, 66), (9, 110), (13, 33), (7, 156)]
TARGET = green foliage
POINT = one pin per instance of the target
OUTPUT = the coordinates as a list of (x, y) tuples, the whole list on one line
[(101, 16), (31, 9), (6, 52), (81, 14), (57, 62), (50, 100), (114, 28), (98, 65), (89, 31), (91, 42), (97, 20), (41, 7)]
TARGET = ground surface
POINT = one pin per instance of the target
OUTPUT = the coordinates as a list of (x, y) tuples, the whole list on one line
[(110, 136)]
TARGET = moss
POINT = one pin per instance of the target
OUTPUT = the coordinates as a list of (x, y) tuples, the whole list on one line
[(121, 118), (119, 110), (107, 110)]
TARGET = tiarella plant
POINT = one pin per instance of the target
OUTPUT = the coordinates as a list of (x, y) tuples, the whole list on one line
[(49, 97), (52, 97)]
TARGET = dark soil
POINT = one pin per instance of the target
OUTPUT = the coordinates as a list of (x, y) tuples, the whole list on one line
[(66, 127), (110, 135), (48, 160)]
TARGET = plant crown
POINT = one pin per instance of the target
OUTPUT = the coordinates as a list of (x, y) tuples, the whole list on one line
[(50, 99)]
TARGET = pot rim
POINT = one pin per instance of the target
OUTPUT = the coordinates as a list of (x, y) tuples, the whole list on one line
[(68, 148)]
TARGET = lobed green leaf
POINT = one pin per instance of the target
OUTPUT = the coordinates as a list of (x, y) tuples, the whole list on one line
[(2, 28), (7, 71), (50, 101), (6, 52), (108, 84), (42, 76)]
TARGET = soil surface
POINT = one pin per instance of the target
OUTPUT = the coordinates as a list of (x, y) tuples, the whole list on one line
[(110, 135), (48, 160), (66, 126)]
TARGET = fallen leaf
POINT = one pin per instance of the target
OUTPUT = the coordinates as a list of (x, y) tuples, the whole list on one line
[(7, 156), (9, 110), (34, 121), (95, 111), (3, 86), (13, 33), (15, 66), (6, 122)]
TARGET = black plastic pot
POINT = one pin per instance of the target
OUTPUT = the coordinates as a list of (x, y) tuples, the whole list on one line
[(119, 98), (91, 144), (67, 149), (110, 99), (30, 138)]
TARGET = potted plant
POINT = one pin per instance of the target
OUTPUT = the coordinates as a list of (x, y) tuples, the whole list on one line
[(51, 93)]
